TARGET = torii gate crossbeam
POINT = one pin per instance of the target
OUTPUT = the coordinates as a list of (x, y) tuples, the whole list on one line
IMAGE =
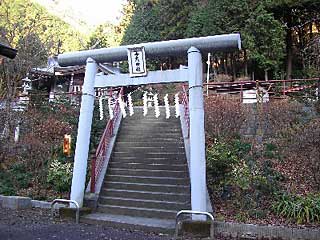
[(193, 74)]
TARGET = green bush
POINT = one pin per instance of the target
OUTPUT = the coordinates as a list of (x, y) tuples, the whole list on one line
[(301, 209), (20, 175), (6, 185), (234, 171), (220, 161), (14, 178), (270, 150), (60, 175)]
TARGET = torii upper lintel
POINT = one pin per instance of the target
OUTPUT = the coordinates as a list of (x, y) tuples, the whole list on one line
[(225, 42)]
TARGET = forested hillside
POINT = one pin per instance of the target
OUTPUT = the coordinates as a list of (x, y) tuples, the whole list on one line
[(36, 35), (277, 36)]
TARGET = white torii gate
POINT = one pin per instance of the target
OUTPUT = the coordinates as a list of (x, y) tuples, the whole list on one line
[(193, 74)]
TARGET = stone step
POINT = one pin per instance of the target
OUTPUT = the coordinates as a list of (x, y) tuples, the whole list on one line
[(149, 150), (151, 112), (150, 128), (153, 134), (151, 121), (151, 116), (148, 123), (164, 144), (131, 223), (142, 203), (143, 155), (143, 172), (146, 187), (152, 166), (139, 212), (171, 197), (132, 138), (154, 180), (137, 118), (149, 160)]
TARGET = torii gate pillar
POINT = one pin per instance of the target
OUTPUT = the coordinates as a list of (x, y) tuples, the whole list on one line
[(197, 136), (84, 129)]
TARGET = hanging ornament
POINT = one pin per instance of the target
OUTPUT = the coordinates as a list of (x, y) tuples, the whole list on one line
[(166, 104), (177, 105), (110, 108), (130, 105), (145, 104), (122, 106), (101, 108), (156, 105)]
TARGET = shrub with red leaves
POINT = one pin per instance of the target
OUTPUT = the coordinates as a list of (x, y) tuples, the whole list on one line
[(224, 116)]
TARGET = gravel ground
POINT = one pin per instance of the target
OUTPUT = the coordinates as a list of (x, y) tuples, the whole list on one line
[(37, 224)]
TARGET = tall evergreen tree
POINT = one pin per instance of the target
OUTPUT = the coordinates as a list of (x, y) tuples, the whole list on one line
[(298, 18), (145, 24)]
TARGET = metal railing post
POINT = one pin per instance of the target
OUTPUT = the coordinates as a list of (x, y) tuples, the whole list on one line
[(241, 92), (182, 212), (67, 201), (318, 90)]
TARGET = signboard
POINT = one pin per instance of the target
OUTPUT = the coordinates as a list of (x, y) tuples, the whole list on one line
[(67, 144), (137, 62), (254, 96)]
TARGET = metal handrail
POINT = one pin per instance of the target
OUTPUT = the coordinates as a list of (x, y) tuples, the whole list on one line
[(67, 201), (182, 212), (262, 81), (99, 158), (294, 85)]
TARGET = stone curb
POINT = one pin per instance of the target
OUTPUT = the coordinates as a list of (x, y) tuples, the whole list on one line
[(40, 204), (252, 231), (17, 202), (236, 230)]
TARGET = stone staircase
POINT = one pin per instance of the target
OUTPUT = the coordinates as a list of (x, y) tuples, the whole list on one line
[(147, 180)]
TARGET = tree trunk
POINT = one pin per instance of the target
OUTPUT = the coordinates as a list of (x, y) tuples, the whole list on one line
[(225, 64), (301, 44), (233, 65), (245, 63), (289, 43), (266, 75), (311, 30)]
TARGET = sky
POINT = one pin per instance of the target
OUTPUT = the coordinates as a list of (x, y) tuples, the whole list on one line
[(93, 12)]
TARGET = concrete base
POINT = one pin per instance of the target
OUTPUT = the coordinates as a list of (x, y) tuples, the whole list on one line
[(194, 229), (91, 200), (66, 212), (16, 202), (132, 223)]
